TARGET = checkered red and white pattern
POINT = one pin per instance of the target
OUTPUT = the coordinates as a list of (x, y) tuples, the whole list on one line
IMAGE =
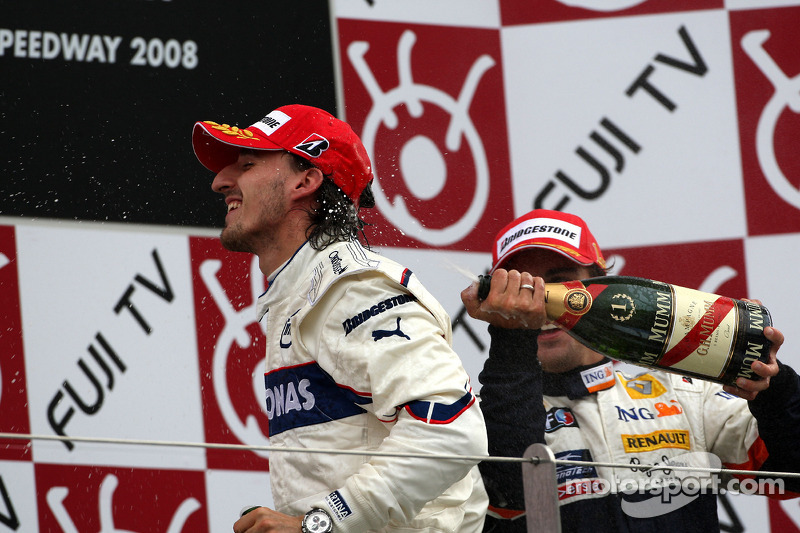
[(670, 126)]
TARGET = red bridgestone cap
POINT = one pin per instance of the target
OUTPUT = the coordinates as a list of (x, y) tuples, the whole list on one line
[(541, 228), (328, 143)]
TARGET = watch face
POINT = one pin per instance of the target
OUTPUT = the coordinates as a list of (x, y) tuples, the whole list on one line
[(317, 521)]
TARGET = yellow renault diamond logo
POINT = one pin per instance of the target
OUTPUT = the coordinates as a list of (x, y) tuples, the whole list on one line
[(644, 386)]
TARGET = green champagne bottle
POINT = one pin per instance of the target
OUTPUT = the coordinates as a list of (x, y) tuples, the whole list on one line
[(659, 325)]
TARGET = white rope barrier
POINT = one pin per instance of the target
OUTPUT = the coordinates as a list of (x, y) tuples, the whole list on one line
[(376, 453)]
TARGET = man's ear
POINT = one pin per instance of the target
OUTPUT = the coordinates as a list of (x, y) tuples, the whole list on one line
[(307, 183)]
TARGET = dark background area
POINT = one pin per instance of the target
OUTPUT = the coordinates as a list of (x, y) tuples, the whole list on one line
[(103, 141)]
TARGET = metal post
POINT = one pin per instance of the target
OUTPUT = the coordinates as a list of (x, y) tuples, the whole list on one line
[(541, 495)]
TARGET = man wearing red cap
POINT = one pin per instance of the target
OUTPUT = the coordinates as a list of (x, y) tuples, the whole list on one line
[(359, 355), (541, 385)]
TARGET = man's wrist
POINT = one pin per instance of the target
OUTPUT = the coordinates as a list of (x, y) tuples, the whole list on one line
[(781, 389), (317, 520)]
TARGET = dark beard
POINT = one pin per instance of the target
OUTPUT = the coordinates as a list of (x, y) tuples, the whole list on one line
[(234, 242)]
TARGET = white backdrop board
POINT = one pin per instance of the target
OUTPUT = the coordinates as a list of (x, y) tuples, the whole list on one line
[(671, 126)]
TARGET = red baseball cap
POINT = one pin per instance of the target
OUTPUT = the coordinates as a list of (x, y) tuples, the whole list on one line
[(328, 143), (541, 228)]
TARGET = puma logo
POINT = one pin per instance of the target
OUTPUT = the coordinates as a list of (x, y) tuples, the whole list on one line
[(383, 333)]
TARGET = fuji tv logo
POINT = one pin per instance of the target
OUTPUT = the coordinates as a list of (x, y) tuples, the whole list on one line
[(236, 333), (785, 96), (461, 129)]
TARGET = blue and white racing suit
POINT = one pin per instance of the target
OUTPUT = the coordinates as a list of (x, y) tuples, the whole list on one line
[(359, 357)]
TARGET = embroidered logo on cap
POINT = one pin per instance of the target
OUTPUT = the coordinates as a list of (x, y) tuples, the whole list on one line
[(231, 130), (540, 228), (314, 145), (269, 124)]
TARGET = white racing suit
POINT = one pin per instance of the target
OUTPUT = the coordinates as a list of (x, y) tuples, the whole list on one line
[(359, 357), (598, 414)]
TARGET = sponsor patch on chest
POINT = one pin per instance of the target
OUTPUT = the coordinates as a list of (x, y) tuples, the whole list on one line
[(569, 472), (305, 395), (667, 438), (559, 417)]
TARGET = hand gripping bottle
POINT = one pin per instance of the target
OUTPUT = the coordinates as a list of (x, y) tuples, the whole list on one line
[(660, 325)]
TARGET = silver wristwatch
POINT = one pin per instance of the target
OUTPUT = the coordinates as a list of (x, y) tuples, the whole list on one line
[(317, 521)]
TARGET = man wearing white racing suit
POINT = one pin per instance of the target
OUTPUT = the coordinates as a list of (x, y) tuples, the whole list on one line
[(541, 385), (353, 338), (359, 357), (592, 413)]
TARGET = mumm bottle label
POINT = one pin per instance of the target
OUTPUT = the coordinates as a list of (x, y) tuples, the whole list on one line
[(661, 325), (703, 332)]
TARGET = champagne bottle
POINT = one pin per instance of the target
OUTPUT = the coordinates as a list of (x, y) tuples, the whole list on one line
[(659, 325)]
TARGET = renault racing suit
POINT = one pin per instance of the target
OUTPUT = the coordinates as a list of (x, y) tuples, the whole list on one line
[(359, 358), (600, 414)]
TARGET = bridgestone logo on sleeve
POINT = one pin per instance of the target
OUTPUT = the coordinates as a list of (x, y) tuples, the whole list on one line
[(381, 307)]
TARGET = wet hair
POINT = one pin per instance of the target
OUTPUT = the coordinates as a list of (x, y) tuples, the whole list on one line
[(334, 217), (596, 271)]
